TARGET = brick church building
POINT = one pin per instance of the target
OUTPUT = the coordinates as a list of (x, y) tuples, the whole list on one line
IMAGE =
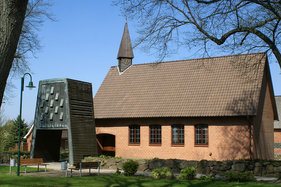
[(220, 108)]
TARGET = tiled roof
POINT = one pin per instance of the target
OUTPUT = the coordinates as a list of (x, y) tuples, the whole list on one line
[(277, 124), (220, 86)]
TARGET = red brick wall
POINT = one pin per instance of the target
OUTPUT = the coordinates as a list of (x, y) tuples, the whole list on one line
[(268, 124), (264, 130), (277, 135), (28, 141), (277, 139), (23, 147), (228, 138)]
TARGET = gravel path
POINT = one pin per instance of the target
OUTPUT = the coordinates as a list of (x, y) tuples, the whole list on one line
[(54, 170)]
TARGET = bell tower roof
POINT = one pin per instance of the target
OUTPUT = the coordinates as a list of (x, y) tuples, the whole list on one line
[(125, 49)]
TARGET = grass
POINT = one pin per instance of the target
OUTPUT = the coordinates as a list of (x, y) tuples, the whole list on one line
[(6, 169), (114, 181)]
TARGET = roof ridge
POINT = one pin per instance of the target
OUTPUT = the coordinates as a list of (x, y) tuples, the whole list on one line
[(185, 60)]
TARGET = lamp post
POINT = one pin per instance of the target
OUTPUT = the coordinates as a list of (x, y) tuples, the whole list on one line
[(30, 85)]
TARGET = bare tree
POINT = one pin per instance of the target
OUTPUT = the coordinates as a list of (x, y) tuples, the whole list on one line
[(29, 44), (12, 13), (19, 21), (237, 25)]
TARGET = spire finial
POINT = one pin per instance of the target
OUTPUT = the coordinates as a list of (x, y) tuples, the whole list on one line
[(125, 49), (125, 53)]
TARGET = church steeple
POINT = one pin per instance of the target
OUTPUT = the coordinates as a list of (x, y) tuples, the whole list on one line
[(125, 53)]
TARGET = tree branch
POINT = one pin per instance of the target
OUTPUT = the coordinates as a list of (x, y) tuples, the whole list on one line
[(207, 2)]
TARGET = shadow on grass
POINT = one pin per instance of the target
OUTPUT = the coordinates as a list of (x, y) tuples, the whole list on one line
[(106, 181), (6, 169), (114, 181), (123, 181)]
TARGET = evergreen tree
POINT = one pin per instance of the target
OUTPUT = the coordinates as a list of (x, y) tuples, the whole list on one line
[(13, 133), (4, 134)]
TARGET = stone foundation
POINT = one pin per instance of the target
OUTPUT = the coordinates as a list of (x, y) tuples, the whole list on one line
[(258, 167)]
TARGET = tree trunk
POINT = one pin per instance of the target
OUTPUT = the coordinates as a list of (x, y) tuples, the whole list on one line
[(12, 13)]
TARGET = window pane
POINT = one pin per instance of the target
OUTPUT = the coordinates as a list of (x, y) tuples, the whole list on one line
[(181, 135), (152, 135), (131, 134), (205, 131), (158, 135), (137, 134), (175, 135), (198, 135)]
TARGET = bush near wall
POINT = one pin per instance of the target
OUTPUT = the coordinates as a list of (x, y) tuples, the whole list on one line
[(6, 155), (239, 176), (162, 173), (130, 167), (257, 167), (188, 173)]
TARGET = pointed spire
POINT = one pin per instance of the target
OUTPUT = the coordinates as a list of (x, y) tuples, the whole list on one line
[(125, 49)]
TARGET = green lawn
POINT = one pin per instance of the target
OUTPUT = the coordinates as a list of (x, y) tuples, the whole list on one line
[(6, 169), (113, 181), (7, 180)]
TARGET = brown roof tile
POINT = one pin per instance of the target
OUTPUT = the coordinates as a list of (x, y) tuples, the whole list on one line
[(220, 86)]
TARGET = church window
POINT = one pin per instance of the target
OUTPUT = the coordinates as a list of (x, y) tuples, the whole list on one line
[(201, 135), (177, 134), (155, 134), (134, 134)]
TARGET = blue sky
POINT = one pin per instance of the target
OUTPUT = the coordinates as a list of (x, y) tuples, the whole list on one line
[(83, 44)]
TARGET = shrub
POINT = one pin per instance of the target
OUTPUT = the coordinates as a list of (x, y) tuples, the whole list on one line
[(108, 157), (130, 167), (160, 173), (102, 163), (15, 153), (118, 172), (6, 155), (239, 176), (105, 156), (207, 177), (188, 173)]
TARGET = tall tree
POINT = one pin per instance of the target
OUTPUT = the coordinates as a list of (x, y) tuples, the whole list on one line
[(238, 25), (12, 14), (23, 20)]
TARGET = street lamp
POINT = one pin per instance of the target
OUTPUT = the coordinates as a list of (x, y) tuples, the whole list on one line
[(30, 85)]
